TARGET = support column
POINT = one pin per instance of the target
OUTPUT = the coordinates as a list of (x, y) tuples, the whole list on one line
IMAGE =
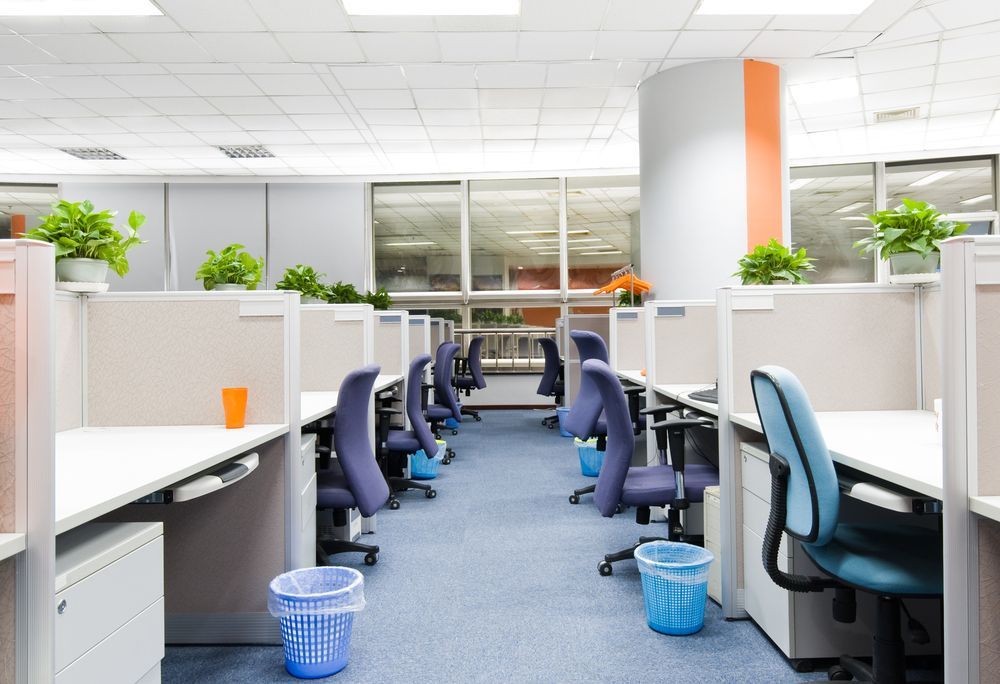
[(713, 172)]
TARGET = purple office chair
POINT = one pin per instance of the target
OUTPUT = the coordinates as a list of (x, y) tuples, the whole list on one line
[(445, 404), (470, 376), (357, 482), (551, 384), (618, 483), (399, 443)]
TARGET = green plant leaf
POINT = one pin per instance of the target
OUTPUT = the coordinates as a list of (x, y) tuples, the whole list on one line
[(765, 264)]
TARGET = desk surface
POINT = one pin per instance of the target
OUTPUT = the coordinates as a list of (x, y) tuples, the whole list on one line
[(633, 376), (680, 393), (316, 405), (101, 469), (383, 382), (986, 506), (11, 544), (901, 447)]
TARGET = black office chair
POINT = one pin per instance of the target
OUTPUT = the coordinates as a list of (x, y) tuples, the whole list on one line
[(469, 373), (551, 384), (891, 562)]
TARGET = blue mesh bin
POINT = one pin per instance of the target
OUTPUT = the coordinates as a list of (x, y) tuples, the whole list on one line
[(315, 608), (451, 423), (423, 468), (561, 415), (590, 458), (674, 585)]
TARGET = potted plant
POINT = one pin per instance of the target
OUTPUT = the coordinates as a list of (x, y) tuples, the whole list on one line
[(379, 299), (342, 293), (774, 262), (626, 298), (230, 269), (305, 280), (909, 238), (87, 242)]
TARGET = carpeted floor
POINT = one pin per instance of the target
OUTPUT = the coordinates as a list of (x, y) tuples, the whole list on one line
[(496, 580)]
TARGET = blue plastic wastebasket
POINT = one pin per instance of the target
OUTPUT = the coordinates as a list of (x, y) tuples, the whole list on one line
[(674, 585), (590, 458), (561, 413), (423, 468)]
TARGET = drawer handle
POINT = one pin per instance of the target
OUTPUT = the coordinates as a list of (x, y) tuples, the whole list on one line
[(61, 608)]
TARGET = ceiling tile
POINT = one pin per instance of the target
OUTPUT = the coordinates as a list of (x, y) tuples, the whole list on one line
[(510, 132), (9, 110), (446, 23), (180, 106), (381, 99), (281, 137), (584, 98), (399, 48), (17, 50), (565, 15), (569, 116), (28, 126), (778, 44), (391, 117), (27, 89), (511, 117), (309, 15), (457, 98), (711, 43), (963, 105), (828, 123), (556, 45), (895, 80), (242, 47), (515, 75), (897, 99), (244, 105), (370, 77), (322, 121), (399, 132), (478, 47), (407, 146), (146, 124), (971, 47), (203, 124), (53, 108), (968, 70), (647, 15), (291, 84), (217, 15), (958, 13), (440, 75), (82, 86), (162, 47), (308, 104), (335, 136), (964, 89), (51, 70), (815, 22), (82, 48), (845, 42), (225, 85), (922, 54), (919, 22), (321, 47), (450, 117), (634, 44), (881, 14), (581, 74), (155, 86), (272, 122)]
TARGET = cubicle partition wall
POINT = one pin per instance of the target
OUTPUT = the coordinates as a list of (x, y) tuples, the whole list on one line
[(597, 323), (971, 403), (855, 348), (449, 330), (336, 339), (931, 344), (437, 333), (392, 341), (27, 420), (420, 340), (627, 339)]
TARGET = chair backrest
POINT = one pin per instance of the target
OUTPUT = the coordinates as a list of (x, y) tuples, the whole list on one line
[(443, 371), (792, 432), (586, 409), (621, 440), (552, 363), (414, 410), (352, 443), (476, 361)]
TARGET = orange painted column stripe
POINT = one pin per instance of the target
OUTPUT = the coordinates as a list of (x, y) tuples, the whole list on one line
[(762, 103)]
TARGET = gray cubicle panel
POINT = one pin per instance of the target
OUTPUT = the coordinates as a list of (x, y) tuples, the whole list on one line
[(681, 342), (68, 363), (336, 339), (597, 323), (437, 334), (420, 339), (931, 332), (627, 338), (392, 341)]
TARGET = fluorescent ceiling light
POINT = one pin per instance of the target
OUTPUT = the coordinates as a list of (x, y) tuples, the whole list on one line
[(794, 7), (617, 251), (414, 8), (594, 247), (933, 178), (540, 240), (78, 8), (825, 91), (853, 218), (800, 183), (587, 240), (546, 231), (977, 200), (546, 253), (850, 207), (407, 244)]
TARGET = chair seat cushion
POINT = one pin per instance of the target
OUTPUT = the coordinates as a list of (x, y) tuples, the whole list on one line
[(465, 382), (403, 441), (899, 560), (332, 490), (438, 411), (654, 485)]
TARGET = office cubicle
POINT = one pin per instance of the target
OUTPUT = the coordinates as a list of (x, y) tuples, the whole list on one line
[(627, 339), (420, 340), (597, 323), (392, 341)]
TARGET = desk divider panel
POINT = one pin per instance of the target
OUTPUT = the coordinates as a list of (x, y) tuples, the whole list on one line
[(931, 332), (437, 334), (336, 339), (163, 358), (682, 347), (627, 338), (8, 490), (420, 340), (598, 323), (392, 341), (69, 361)]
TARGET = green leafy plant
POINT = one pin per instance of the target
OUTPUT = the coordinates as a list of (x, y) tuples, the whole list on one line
[(79, 232), (496, 318), (379, 299), (231, 266), (342, 293), (913, 226), (303, 279), (626, 298), (773, 262)]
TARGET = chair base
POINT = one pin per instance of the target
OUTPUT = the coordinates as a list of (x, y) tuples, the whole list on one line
[(328, 546), (550, 421), (472, 412), (401, 484), (574, 498), (605, 568)]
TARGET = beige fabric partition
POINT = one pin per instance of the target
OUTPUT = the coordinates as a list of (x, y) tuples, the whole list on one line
[(419, 336), (332, 346), (989, 600), (182, 350), (8, 493), (931, 331), (628, 350), (685, 343), (69, 361), (988, 388), (392, 334), (854, 350)]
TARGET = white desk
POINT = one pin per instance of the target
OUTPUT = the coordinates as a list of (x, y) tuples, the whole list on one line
[(634, 376), (986, 506), (11, 544), (901, 447), (680, 393), (316, 405), (384, 382), (98, 470)]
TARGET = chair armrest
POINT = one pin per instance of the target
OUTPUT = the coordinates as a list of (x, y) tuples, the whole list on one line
[(672, 432), (633, 389), (662, 409), (387, 411), (324, 456)]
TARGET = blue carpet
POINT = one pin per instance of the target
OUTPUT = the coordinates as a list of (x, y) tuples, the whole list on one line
[(496, 579)]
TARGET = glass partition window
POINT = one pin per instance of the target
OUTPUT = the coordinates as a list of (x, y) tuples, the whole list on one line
[(515, 234), (828, 207), (960, 186), (602, 219), (417, 236), (22, 206)]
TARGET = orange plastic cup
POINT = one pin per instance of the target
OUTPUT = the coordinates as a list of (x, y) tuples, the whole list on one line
[(234, 403)]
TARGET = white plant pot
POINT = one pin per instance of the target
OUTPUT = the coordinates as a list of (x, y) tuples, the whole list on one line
[(312, 300), (229, 287), (910, 267), (77, 270)]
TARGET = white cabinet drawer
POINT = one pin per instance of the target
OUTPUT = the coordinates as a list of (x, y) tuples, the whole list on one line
[(756, 474), (98, 605), (755, 514), (308, 503), (126, 656), (768, 604)]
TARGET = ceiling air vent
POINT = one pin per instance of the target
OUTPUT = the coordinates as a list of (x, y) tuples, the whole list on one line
[(92, 153), (897, 114), (245, 151)]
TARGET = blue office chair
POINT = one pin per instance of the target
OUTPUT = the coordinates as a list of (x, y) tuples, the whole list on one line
[(399, 443), (551, 384), (619, 484), (470, 374), (901, 561), (357, 481)]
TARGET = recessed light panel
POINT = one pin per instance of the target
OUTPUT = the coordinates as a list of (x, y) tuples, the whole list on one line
[(78, 8), (92, 153)]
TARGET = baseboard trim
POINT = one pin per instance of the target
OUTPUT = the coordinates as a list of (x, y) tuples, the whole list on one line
[(222, 628), (509, 407)]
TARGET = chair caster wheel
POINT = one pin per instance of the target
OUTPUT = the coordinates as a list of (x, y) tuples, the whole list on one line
[(478, 419), (446, 460), (394, 504), (619, 509), (551, 427), (371, 558), (574, 499), (838, 674), (454, 432), (430, 494), (604, 568)]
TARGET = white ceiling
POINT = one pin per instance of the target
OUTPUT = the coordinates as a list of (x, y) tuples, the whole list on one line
[(554, 88)]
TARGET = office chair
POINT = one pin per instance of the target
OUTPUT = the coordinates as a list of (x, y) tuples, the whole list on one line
[(551, 384), (470, 373), (446, 405), (619, 484), (901, 561), (584, 418), (399, 443), (356, 481)]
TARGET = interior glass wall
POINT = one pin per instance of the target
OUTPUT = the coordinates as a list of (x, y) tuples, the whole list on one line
[(958, 186), (602, 224), (22, 206)]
